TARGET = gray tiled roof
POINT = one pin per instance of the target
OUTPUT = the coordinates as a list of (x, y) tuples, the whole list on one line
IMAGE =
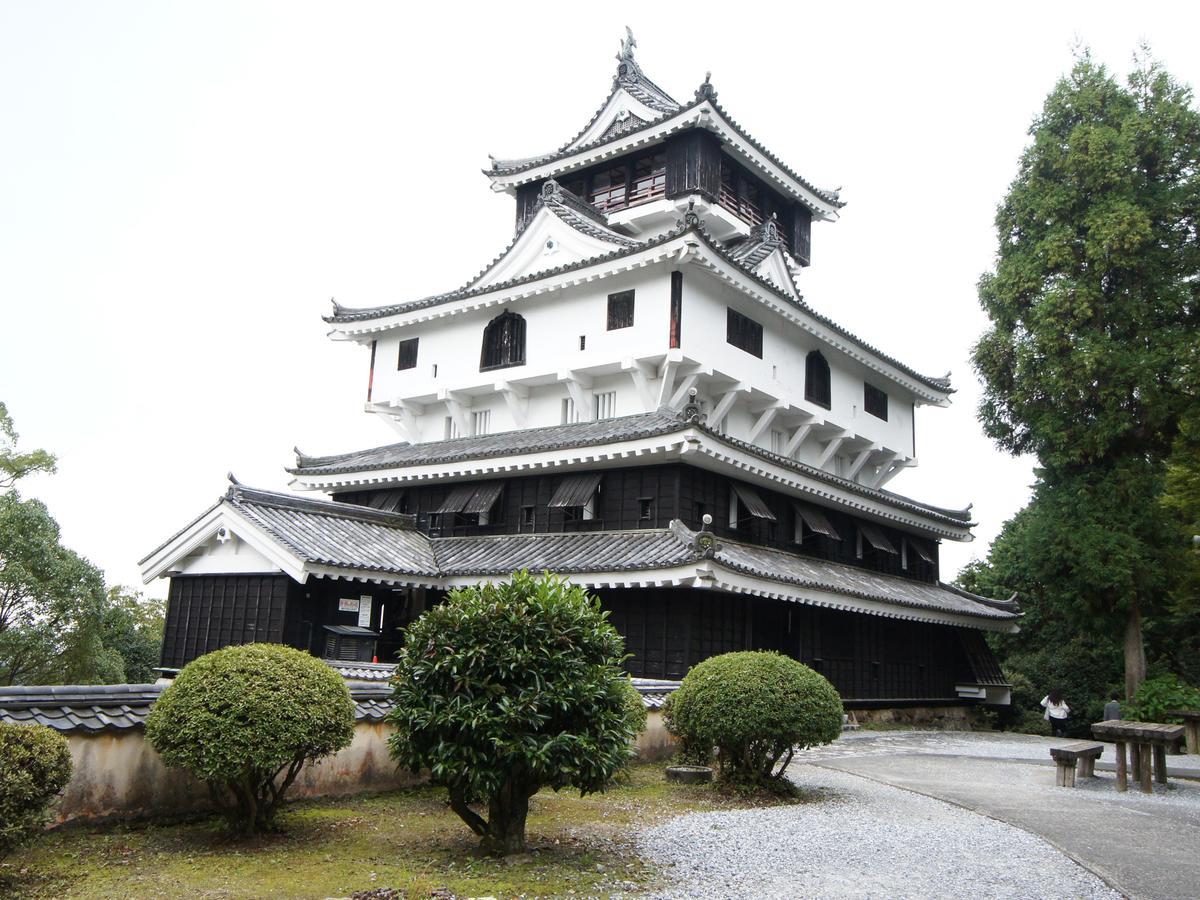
[(635, 82), (529, 440), (839, 578), (599, 551), (584, 434), (356, 671), (97, 708), (654, 691), (617, 551), (323, 532), (343, 314)]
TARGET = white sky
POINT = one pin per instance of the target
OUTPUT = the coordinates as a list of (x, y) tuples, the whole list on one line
[(184, 186)]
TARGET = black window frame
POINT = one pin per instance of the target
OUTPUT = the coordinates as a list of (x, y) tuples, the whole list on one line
[(875, 401), (818, 381), (620, 310), (645, 509), (406, 354), (503, 342), (743, 332)]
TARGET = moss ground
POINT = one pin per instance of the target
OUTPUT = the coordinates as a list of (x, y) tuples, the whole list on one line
[(406, 840)]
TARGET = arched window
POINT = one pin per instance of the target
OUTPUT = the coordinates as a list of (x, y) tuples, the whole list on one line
[(503, 342), (816, 379)]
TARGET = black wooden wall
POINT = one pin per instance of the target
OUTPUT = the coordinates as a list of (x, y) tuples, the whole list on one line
[(208, 612), (675, 491), (693, 167), (867, 658), (702, 491)]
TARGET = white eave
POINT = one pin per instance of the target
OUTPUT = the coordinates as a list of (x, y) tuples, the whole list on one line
[(684, 248)]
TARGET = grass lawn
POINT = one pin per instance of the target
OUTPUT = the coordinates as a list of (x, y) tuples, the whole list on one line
[(408, 840)]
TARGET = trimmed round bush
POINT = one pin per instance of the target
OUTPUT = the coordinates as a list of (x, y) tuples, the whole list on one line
[(755, 709), (35, 765), (507, 688), (245, 719)]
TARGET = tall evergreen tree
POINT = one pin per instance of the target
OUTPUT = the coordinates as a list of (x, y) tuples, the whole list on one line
[(1090, 362)]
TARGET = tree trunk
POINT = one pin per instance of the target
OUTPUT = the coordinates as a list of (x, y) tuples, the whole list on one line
[(507, 812), (1135, 651)]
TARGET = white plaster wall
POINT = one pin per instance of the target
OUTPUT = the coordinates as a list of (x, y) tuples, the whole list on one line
[(233, 557), (118, 775), (781, 370), (554, 324)]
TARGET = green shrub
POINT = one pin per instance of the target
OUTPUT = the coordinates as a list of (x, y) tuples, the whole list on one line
[(246, 719), (1156, 695), (636, 714), (507, 688), (34, 766), (755, 709)]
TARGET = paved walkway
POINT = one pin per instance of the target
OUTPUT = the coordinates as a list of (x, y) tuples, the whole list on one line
[(1146, 846)]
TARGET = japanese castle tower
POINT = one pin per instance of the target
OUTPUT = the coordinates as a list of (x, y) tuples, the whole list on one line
[(634, 393)]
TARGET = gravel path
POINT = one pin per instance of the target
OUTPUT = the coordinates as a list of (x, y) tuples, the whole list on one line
[(861, 839)]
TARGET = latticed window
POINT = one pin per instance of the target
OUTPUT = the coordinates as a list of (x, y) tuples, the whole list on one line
[(407, 358), (620, 310), (816, 379), (875, 401), (606, 405), (503, 342), (744, 333)]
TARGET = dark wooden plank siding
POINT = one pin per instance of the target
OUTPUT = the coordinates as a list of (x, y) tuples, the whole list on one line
[(694, 164), (208, 612), (676, 491), (801, 235), (867, 658)]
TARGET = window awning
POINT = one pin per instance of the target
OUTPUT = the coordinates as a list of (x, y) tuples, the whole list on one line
[(920, 551), (754, 503), (876, 538), (459, 498), (816, 521), (387, 501), (484, 498), (576, 490)]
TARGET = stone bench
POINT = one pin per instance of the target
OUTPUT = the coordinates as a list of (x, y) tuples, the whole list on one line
[(1083, 753)]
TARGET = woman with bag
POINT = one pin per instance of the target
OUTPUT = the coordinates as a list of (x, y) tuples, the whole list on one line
[(1057, 712)]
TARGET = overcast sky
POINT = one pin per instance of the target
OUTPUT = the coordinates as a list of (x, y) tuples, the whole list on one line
[(184, 186)]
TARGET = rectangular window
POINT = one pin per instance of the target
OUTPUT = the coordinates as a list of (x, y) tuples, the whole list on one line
[(645, 509), (620, 310), (481, 421), (875, 401), (583, 342), (527, 519), (606, 405), (568, 411), (674, 333), (744, 333), (451, 430), (407, 358), (777, 441)]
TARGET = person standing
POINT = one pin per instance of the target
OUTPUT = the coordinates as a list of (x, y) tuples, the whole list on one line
[(1056, 713), (1112, 709)]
